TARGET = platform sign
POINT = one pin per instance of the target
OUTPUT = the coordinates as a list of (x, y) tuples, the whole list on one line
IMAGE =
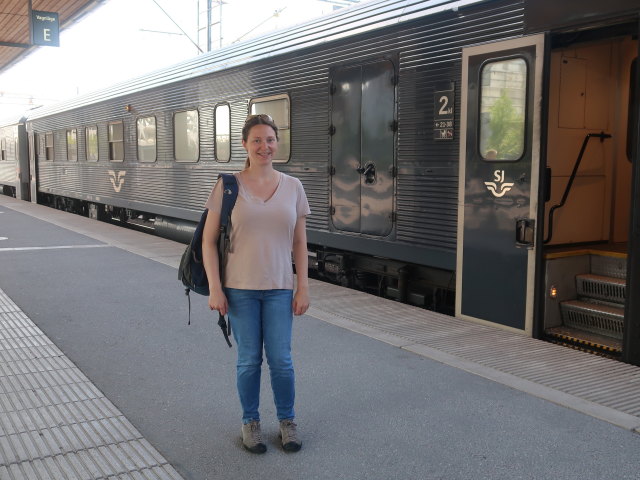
[(45, 28), (443, 112)]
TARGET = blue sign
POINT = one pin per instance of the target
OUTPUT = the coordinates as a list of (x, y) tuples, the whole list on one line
[(45, 28)]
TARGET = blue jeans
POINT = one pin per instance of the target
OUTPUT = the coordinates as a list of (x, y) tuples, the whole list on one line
[(263, 317)]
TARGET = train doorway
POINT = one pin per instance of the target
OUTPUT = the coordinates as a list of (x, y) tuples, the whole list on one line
[(362, 147), (498, 182), (22, 186), (590, 139), (33, 187)]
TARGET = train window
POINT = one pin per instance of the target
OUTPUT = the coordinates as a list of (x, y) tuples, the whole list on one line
[(116, 141), (72, 145), (48, 146), (147, 139), (186, 134), (278, 108), (91, 134), (3, 149), (223, 132), (503, 97)]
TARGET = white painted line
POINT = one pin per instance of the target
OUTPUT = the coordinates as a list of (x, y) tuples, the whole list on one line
[(59, 247), (4, 238)]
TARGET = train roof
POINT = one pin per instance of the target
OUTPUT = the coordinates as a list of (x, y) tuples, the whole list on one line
[(11, 121), (360, 18)]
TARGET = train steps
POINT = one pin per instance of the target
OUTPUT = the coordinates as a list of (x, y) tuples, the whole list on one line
[(594, 321)]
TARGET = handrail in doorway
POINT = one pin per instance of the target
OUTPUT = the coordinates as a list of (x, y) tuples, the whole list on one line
[(602, 136)]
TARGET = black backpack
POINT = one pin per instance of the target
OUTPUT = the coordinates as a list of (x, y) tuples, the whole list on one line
[(191, 270)]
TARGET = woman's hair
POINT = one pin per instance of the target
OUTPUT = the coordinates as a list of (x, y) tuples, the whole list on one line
[(252, 121)]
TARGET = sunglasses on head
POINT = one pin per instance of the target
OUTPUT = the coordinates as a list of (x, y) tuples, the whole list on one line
[(261, 116)]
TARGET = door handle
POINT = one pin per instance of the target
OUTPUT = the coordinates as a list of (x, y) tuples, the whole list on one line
[(365, 170), (369, 172), (525, 232)]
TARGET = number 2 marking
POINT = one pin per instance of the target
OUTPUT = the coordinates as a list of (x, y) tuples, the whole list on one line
[(445, 102)]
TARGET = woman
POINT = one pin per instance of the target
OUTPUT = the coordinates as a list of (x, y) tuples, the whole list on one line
[(267, 223)]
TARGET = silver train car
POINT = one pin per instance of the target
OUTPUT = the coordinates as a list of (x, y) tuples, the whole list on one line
[(14, 159), (476, 157)]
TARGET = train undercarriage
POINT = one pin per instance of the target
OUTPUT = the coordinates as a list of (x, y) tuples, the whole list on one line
[(425, 287)]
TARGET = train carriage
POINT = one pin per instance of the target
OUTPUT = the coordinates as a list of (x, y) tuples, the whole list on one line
[(477, 157), (14, 168)]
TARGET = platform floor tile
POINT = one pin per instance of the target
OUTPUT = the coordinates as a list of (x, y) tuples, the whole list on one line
[(54, 423)]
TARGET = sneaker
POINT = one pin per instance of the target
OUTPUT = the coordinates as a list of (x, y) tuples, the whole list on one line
[(252, 437), (289, 435)]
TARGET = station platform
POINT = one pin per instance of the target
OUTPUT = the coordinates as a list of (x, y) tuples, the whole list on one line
[(100, 377)]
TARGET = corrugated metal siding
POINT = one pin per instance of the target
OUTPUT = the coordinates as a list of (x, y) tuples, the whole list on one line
[(8, 173), (427, 188), (310, 150), (8, 167), (425, 53)]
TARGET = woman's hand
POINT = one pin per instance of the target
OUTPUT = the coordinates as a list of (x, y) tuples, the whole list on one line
[(218, 301), (300, 301)]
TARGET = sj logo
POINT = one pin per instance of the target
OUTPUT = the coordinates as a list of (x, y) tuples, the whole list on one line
[(117, 180), (498, 187)]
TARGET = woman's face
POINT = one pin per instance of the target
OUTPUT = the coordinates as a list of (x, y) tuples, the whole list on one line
[(261, 144)]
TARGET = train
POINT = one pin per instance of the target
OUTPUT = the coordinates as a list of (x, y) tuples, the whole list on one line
[(474, 157)]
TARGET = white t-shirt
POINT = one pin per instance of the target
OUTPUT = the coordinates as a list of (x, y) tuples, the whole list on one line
[(262, 235)]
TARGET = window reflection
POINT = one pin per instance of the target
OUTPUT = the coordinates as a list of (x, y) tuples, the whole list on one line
[(72, 145), (503, 97), (223, 133), (48, 145), (91, 134), (186, 136), (116, 142), (146, 127)]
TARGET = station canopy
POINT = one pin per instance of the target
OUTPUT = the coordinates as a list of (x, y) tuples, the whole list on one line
[(15, 24)]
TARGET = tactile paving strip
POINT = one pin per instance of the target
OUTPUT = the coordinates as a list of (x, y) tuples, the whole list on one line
[(54, 423)]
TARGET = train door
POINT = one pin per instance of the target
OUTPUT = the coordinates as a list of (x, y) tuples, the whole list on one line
[(362, 147), (33, 187), (498, 181), (23, 192)]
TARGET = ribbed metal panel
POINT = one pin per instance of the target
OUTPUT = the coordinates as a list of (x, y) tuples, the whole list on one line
[(600, 319), (8, 173), (602, 288), (8, 166)]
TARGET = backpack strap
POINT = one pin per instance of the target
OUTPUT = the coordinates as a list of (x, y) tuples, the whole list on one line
[(229, 197)]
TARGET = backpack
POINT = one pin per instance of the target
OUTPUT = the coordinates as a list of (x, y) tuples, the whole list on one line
[(191, 270)]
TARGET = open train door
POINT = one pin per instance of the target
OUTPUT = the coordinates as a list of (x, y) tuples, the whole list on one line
[(498, 181)]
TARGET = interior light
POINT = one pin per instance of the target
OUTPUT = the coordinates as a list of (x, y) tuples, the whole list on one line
[(553, 292)]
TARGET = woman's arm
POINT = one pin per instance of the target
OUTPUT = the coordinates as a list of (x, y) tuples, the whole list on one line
[(210, 234), (301, 259)]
